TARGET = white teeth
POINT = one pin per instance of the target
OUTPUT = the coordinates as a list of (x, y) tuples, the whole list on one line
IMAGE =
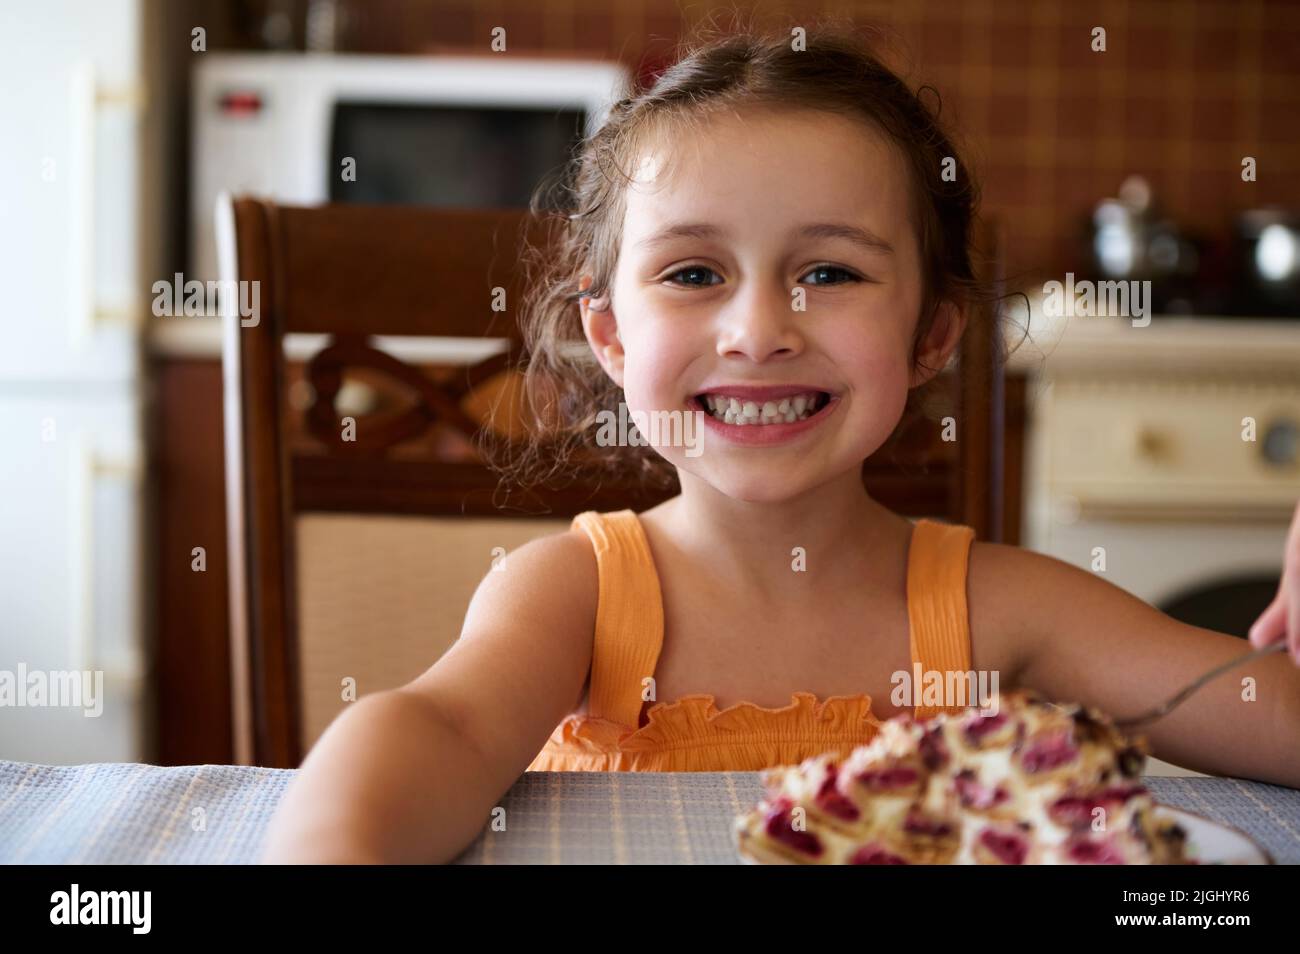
[(787, 410)]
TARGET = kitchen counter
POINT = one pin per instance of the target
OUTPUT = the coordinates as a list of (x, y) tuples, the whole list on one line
[(1171, 345), (200, 338)]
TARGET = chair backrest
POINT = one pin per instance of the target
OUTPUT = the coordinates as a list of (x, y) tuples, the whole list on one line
[(344, 278)]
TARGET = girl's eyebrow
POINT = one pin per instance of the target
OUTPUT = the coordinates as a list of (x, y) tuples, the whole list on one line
[(864, 238)]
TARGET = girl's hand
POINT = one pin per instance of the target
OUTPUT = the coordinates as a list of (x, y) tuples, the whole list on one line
[(1281, 620)]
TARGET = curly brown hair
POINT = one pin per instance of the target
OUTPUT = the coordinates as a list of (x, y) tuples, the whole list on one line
[(581, 214)]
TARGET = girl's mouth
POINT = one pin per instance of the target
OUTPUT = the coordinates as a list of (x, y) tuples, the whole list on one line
[(741, 411)]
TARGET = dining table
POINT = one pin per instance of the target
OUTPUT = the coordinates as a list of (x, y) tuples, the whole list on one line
[(135, 813)]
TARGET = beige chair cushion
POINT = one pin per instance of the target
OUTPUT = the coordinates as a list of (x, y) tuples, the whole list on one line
[(381, 598)]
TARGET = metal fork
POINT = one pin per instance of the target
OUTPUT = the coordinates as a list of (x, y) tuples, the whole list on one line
[(1182, 695)]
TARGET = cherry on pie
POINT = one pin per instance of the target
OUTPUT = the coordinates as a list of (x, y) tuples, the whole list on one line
[(1025, 782)]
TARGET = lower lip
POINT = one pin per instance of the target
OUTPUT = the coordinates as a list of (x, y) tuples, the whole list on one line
[(765, 435)]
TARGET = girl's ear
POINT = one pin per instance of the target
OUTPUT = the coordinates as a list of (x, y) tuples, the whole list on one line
[(601, 328), (939, 342)]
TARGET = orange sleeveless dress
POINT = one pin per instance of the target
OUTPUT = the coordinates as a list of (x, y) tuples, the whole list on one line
[(690, 734)]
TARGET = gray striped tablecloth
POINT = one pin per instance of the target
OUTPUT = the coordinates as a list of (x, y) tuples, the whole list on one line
[(134, 814)]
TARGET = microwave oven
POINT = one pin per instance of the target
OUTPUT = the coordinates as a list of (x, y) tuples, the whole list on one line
[(450, 130)]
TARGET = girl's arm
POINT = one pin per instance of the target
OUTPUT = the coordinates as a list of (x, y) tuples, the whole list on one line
[(1083, 639), (411, 774)]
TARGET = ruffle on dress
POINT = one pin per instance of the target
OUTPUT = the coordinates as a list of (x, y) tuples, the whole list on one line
[(691, 734)]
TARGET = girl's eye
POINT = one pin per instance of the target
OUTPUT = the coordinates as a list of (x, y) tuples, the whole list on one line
[(832, 270), (697, 276), (696, 271)]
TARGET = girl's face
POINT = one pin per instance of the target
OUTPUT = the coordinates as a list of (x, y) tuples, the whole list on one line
[(772, 262)]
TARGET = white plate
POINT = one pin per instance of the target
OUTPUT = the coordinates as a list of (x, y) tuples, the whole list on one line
[(1208, 842), (1214, 843)]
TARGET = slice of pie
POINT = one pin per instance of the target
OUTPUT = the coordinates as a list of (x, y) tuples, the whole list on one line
[(1024, 781)]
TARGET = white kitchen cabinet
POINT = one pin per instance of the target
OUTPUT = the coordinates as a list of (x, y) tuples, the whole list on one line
[(71, 459)]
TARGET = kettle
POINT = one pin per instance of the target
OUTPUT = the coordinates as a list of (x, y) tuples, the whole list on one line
[(1129, 241)]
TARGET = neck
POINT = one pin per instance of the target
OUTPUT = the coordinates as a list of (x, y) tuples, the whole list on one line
[(754, 543)]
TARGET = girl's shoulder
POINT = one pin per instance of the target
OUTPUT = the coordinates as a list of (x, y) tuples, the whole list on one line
[(562, 560), (1010, 581), (552, 576), (1023, 605), (1013, 596)]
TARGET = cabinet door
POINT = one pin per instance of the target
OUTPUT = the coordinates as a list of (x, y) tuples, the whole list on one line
[(70, 593), (71, 95)]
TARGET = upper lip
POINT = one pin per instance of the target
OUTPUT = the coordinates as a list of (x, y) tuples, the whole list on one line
[(753, 392)]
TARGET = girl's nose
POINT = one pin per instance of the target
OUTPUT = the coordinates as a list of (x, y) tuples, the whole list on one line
[(760, 325)]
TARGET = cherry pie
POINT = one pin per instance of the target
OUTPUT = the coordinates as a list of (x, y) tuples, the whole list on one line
[(1030, 783)]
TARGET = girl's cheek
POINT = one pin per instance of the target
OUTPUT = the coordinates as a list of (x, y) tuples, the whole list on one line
[(650, 371), (880, 366), (880, 394)]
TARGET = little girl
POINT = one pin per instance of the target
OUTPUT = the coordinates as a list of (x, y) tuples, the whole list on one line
[(785, 257)]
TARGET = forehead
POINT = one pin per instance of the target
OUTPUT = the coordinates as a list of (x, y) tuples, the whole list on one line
[(751, 172)]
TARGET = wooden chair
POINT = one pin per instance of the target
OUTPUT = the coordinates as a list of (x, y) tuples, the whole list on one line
[(350, 273)]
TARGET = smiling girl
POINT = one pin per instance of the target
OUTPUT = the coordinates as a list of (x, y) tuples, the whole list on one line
[(783, 257)]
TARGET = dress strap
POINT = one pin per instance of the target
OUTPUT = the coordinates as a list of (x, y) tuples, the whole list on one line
[(629, 615), (937, 614)]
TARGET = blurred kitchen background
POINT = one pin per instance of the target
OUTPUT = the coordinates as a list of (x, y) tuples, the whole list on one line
[(1168, 452)]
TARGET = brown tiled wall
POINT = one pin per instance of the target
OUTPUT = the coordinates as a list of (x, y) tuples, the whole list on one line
[(1183, 91)]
